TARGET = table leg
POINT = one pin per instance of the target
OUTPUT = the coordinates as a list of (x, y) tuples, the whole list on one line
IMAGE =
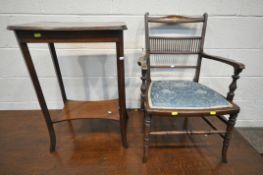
[(40, 96), (121, 89), (57, 69)]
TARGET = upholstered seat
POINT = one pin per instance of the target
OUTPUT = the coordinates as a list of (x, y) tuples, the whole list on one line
[(180, 94)]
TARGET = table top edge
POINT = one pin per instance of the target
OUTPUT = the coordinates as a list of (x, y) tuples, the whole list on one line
[(58, 26)]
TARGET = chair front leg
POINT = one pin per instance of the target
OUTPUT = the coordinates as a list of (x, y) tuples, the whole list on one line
[(230, 125), (147, 127)]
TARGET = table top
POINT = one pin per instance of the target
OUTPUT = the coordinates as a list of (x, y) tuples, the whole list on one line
[(69, 26)]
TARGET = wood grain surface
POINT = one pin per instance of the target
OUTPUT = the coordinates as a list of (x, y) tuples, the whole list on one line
[(93, 147)]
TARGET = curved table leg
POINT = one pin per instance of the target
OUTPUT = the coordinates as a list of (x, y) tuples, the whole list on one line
[(40, 96)]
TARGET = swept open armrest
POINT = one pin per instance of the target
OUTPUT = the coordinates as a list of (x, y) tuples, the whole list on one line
[(142, 61), (238, 67), (235, 64)]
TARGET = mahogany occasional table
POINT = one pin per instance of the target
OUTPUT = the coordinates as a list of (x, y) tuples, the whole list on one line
[(50, 33)]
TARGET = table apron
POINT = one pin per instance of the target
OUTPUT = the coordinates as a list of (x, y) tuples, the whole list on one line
[(68, 36)]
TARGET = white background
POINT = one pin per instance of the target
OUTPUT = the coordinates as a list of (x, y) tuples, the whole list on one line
[(235, 30)]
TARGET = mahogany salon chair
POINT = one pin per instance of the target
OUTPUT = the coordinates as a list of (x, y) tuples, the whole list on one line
[(182, 98)]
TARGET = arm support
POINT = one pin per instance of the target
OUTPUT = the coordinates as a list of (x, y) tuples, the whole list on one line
[(144, 77), (238, 67), (142, 61)]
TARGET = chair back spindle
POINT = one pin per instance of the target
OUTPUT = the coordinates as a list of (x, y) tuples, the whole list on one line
[(174, 45)]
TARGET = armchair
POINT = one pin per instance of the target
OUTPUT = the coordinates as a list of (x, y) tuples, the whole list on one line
[(183, 98)]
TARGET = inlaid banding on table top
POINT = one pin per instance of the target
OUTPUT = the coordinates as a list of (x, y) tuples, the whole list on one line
[(69, 26)]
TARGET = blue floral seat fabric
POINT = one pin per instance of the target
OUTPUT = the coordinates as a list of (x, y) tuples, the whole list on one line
[(180, 94)]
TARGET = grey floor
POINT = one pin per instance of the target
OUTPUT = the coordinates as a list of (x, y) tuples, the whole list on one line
[(254, 136)]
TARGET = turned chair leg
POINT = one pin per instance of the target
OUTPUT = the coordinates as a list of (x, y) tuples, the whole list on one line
[(147, 127), (144, 118), (228, 135)]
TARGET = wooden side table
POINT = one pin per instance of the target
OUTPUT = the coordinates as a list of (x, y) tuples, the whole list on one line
[(51, 33)]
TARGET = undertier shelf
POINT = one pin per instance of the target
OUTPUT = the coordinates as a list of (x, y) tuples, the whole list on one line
[(107, 109)]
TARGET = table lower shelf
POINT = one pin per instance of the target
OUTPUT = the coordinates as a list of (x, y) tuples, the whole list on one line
[(107, 109)]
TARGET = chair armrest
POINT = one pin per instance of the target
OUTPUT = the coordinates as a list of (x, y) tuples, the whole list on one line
[(236, 65), (142, 61)]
